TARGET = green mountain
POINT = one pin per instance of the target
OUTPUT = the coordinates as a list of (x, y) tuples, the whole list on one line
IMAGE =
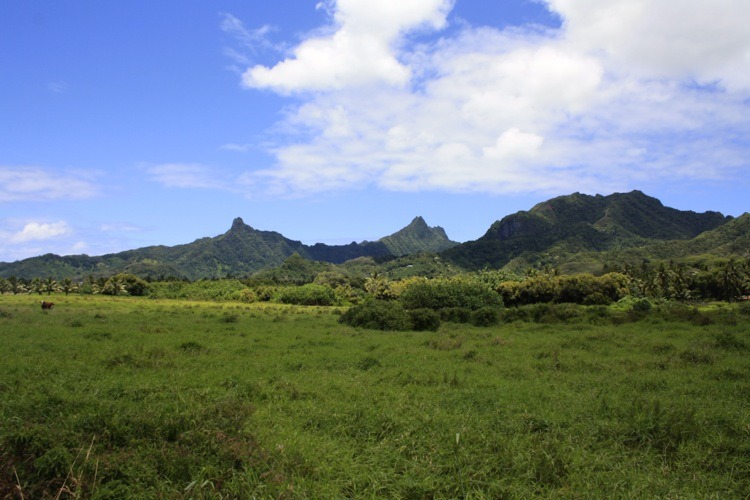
[(558, 230), (728, 240), (241, 251), (417, 237), (575, 233)]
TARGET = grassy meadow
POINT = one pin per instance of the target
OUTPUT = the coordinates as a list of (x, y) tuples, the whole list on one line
[(117, 397)]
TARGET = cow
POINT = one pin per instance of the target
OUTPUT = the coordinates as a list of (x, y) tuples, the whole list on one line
[(47, 305)]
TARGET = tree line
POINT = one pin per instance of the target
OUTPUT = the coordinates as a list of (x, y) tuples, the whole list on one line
[(726, 280)]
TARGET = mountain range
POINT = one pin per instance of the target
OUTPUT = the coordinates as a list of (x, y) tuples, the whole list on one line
[(241, 251), (575, 233)]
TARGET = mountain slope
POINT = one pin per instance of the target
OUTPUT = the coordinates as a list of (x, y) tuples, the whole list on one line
[(240, 251), (417, 237), (578, 223), (575, 233), (728, 240)]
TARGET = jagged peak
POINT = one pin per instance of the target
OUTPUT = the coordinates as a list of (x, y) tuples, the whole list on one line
[(238, 225)]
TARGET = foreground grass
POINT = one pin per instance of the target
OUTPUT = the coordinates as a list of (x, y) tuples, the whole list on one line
[(115, 398)]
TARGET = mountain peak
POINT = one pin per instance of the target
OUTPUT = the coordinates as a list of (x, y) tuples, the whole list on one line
[(238, 225), (417, 237)]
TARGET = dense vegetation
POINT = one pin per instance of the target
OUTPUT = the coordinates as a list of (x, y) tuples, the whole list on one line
[(428, 282), (115, 397), (241, 251), (576, 233)]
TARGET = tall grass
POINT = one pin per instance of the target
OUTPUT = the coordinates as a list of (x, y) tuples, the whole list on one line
[(107, 397)]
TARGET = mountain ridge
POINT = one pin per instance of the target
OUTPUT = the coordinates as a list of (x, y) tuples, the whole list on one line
[(578, 223), (240, 251), (576, 232)]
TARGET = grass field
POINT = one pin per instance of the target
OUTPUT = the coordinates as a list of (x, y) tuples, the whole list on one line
[(107, 397)]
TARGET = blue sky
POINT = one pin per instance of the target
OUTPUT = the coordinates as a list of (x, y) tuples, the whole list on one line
[(127, 124)]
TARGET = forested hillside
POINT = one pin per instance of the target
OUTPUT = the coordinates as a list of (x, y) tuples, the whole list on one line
[(556, 231), (574, 233)]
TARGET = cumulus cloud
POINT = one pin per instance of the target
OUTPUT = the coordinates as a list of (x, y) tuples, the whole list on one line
[(625, 93), (362, 48), (35, 231), (40, 184), (706, 41)]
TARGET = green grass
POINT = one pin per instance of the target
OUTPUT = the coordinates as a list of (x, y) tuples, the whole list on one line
[(117, 397)]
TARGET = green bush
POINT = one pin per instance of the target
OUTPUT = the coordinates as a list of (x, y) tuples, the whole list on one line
[(167, 290), (439, 294), (596, 299), (548, 313), (125, 284), (248, 296), (486, 316), (377, 315), (641, 305), (424, 320), (225, 289), (455, 314), (265, 293), (308, 295)]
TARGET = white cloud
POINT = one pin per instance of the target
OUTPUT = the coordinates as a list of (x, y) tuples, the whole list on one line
[(240, 148), (513, 145), (593, 106), (250, 41), (361, 50), (35, 231), (39, 184), (705, 40)]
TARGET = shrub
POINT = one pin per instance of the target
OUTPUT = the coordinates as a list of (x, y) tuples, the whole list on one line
[(438, 294), (596, 299), (486, 316), (225, 289), (552, 313), (377, 315), (455, 314), (424, 320), (564, 312), (265, 293), (641, 306), (248, 296), (682, 312), (308, 295)]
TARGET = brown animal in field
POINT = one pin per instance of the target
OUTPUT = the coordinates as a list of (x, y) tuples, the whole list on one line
[(47, 305)]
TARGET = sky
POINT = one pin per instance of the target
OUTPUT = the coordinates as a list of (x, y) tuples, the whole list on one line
[(128, 124)]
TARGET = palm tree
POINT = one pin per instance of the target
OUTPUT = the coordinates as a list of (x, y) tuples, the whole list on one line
[(68, 286), (36, 286), (115, 286), (378, 286), (50, 285), (732, 280), (16, 286)]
